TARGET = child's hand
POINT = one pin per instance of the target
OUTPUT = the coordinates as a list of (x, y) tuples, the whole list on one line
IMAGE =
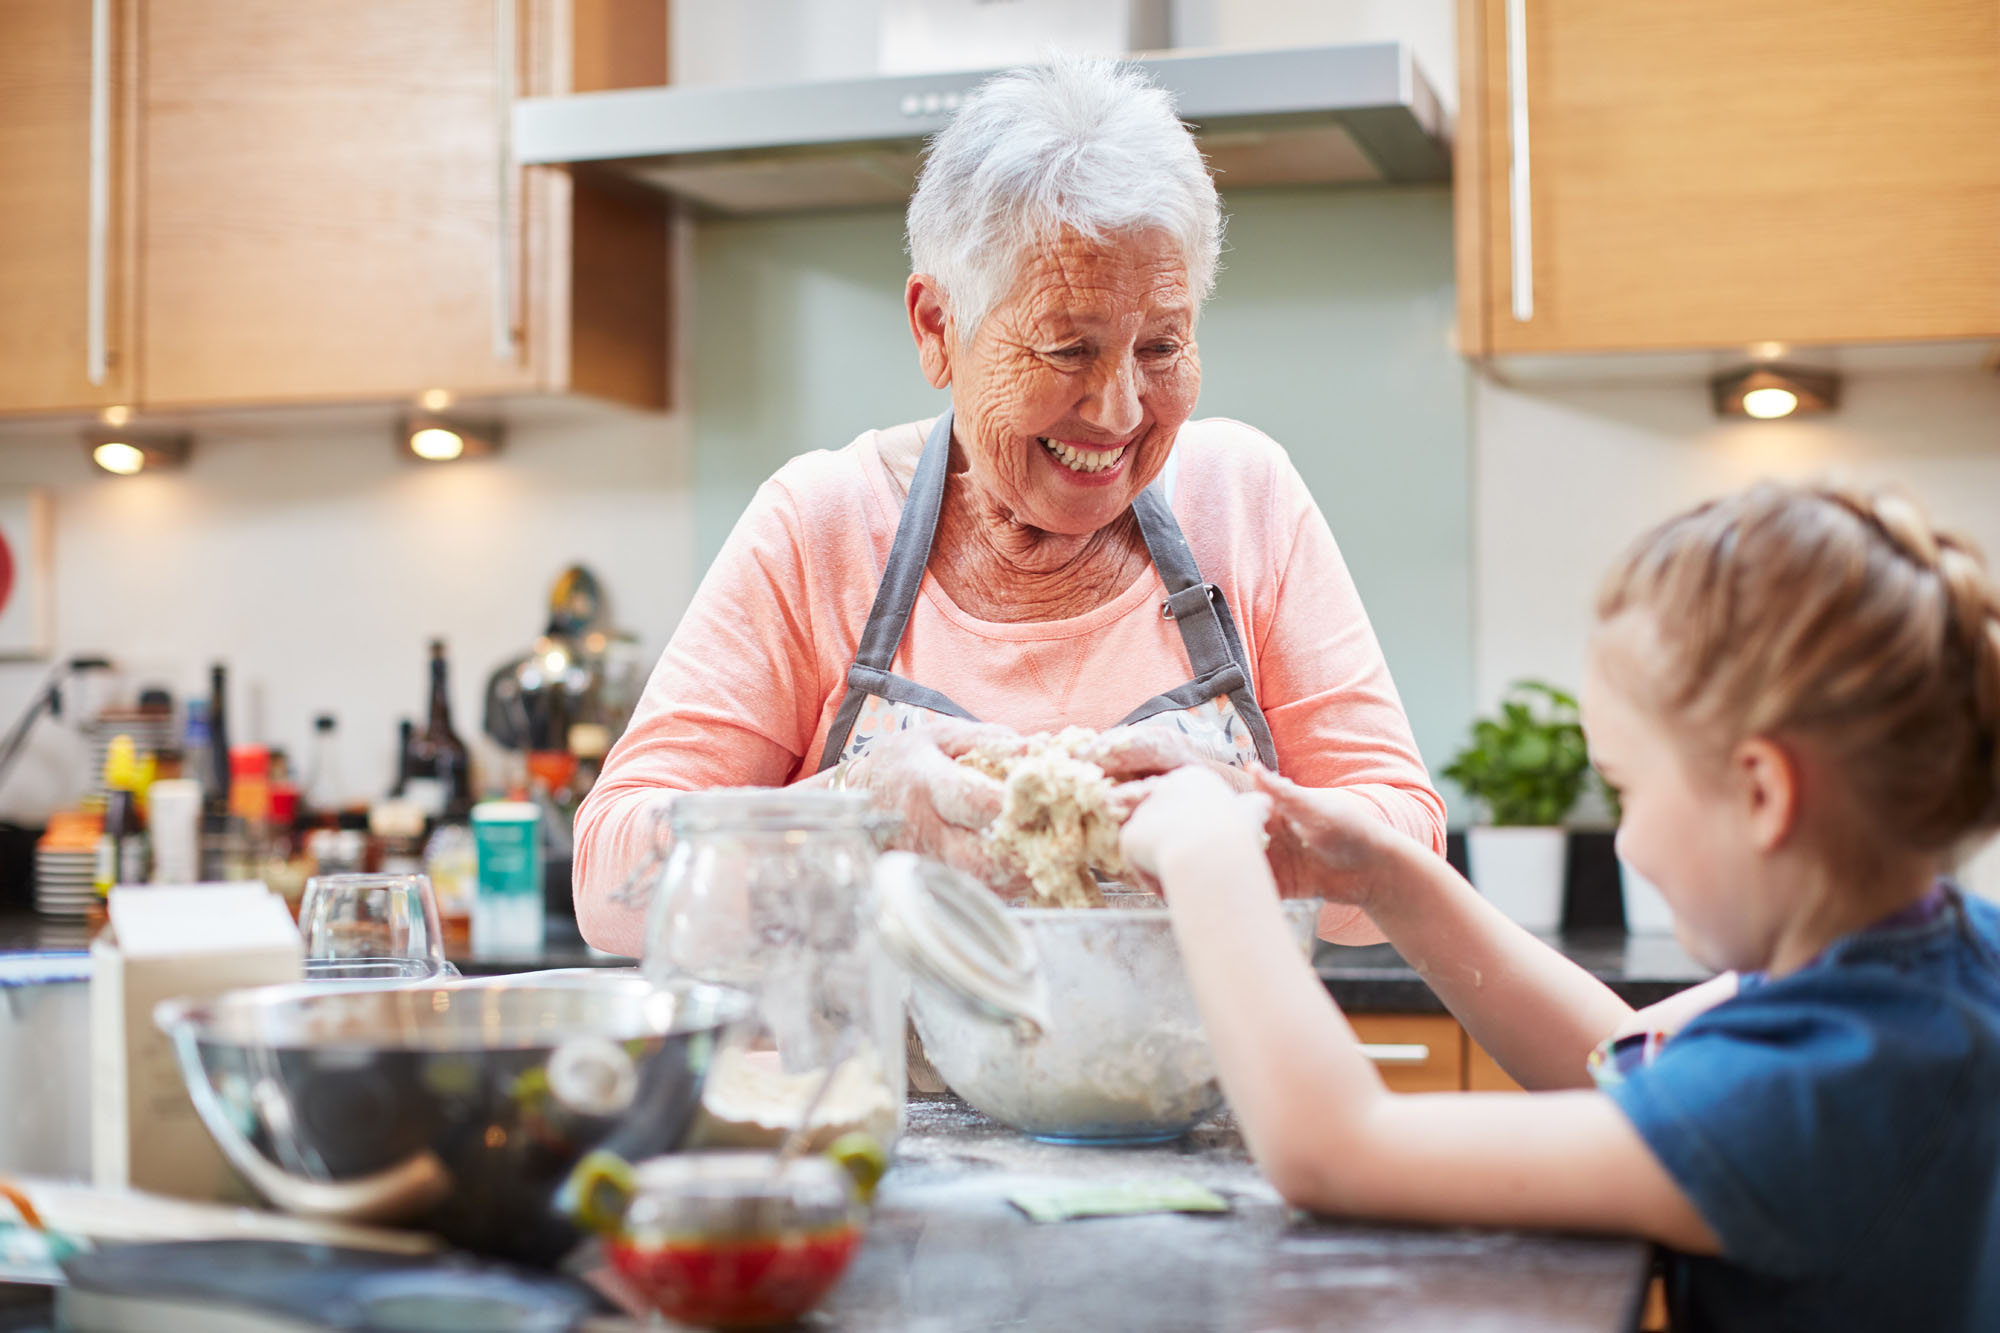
[(1325, 842), (1189, 804)]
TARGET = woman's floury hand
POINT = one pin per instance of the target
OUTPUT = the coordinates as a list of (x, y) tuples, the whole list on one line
[(945, 806), (1127, 753)]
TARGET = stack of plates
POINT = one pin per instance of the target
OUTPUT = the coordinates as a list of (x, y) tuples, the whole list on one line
[(66, 865), (64, 882)]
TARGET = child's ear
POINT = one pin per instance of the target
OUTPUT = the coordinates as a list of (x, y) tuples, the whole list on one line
[(1766, 778)]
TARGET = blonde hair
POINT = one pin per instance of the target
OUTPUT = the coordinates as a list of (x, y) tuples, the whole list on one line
[(1839, 616)]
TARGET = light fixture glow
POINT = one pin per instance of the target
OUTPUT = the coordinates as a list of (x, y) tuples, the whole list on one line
[(435, 400), (120, 457), (1770, 403), (1769, 392), (437, 444), (116, 416), (432, 438)]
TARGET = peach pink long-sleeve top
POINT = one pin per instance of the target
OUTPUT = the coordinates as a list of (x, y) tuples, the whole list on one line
[(748, 685)]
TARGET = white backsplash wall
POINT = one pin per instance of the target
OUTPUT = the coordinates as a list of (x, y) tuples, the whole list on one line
[(1563, 480), (317, 563)]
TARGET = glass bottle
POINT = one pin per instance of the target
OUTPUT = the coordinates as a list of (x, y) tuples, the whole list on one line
[(771, 891), (438, 767), (195, 763), (324, 794), (215, 783)]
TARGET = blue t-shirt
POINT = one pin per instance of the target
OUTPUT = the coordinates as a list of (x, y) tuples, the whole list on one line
[(1839, 1130)]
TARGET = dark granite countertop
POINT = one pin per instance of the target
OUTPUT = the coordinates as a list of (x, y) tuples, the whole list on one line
[(1371, 979), (1642, 969), (946, 1250)]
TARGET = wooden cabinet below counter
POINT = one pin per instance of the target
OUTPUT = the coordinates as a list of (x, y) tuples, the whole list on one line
[(1428, 1053)]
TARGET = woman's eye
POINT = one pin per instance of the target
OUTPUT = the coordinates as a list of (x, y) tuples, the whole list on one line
[(1070, 353), (1162, 349)]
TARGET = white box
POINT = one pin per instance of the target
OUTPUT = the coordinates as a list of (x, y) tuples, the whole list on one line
[(163, 942), (921, 36)]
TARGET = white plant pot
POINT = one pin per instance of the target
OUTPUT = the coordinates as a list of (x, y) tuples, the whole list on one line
[(1520, 871), (1646, 910)]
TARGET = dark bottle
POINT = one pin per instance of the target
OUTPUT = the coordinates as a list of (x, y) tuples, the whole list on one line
[(404, 730), (215, 782), (437, 766)]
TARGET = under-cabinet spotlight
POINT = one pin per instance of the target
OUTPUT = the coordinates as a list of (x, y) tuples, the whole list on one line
[(125, 452), (441, 439), (1768, 392)]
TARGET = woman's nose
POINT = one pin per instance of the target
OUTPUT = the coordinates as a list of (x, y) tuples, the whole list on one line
[(1113, 404)]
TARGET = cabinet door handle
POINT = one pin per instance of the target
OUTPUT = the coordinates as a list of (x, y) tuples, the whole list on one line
[(96, 355), (504, 55), (1520, 201), (1396, 1053)]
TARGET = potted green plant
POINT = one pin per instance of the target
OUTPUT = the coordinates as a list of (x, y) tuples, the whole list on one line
[(1527, 767)]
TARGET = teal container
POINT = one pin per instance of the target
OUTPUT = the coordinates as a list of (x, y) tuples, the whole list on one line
[(507, 911)]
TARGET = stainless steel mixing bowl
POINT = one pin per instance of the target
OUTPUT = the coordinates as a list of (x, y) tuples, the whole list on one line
[(459, 1108), (1124, 1059)]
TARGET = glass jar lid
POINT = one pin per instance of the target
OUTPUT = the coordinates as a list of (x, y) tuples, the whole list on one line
[(775, 810)]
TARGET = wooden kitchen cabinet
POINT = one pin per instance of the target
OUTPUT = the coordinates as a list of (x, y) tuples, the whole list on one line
[(328, 214), (1710, 173), (1483, 1073), (311, 203), (1428, 1053), (1414, 1052), (47, 248)]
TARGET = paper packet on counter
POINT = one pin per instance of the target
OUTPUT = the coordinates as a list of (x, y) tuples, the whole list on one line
[(166, 941)]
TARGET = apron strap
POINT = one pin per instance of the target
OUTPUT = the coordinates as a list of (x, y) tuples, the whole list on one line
[(1208, 629), (896, 595)]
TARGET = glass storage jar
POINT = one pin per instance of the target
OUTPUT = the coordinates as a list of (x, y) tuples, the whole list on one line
[(771, 891)]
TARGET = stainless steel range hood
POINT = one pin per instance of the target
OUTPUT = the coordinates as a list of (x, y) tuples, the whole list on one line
[(1320, 114)]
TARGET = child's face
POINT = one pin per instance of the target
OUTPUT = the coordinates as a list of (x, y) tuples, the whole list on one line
[(1682, 827)]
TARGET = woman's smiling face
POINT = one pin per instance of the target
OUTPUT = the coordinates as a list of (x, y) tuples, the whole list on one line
[(1070, 394)]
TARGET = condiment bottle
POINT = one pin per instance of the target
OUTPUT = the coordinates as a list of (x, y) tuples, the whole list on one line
[(121, 847)]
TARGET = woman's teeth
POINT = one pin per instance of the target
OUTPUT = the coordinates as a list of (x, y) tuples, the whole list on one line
[(1084, 460)]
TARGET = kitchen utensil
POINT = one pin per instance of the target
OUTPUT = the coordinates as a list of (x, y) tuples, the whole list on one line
[(456, 1107), (946, 930), (1123, 1058), (388, 923), (727, 1239)]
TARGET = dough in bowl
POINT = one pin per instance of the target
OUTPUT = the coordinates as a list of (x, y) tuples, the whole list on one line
[(1056, 824)]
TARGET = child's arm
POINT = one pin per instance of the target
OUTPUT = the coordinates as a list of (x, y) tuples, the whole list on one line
[(1317, 1118), (1534, 1011)]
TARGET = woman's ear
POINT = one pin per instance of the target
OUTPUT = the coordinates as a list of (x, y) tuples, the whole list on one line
[(1765, 776), (930, 325)]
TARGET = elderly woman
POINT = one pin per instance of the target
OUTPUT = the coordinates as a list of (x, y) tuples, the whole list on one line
[(1064, 547)]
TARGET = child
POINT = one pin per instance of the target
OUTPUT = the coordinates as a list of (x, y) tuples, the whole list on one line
[(1797, 693)]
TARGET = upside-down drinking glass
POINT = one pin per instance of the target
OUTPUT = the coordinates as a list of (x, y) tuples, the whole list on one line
[(371, 928)]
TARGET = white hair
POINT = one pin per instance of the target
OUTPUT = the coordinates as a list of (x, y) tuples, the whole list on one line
[(1085, 144)]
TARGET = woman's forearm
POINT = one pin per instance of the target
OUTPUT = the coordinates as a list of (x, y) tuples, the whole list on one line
[(1534, 1011)]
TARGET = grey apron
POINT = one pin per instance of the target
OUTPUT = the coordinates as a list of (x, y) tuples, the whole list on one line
[(1217, 705)]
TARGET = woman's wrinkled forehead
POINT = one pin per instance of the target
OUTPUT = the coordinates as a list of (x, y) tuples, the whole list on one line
[(1074, 279)]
